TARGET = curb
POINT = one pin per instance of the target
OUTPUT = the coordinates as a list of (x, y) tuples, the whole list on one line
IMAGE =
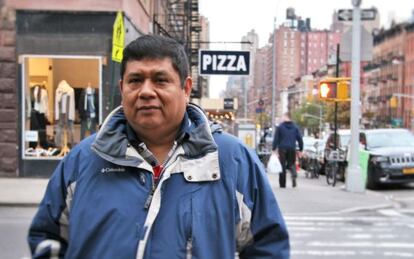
[(20, 204), (349, 210)]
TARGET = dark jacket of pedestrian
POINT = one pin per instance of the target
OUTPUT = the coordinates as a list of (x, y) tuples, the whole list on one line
[(286, 136)]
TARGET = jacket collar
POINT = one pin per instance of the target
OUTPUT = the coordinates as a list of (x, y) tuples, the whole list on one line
[(112, 142)]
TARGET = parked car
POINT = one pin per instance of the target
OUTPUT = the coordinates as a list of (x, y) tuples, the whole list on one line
[(391, 156), (342, 140)]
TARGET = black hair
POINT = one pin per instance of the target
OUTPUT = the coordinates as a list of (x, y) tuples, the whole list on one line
[(157, 47)]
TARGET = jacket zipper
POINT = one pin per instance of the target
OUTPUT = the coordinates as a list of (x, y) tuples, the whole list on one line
[(189, 248), (154, 186), (149, 198)]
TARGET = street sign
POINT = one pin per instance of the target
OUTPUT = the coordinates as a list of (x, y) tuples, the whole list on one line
[(345, 15), (367, 44), (118, 37), (228, 104), (217, 62)]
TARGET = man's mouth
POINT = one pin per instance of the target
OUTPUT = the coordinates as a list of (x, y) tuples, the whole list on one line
[(148, 108)]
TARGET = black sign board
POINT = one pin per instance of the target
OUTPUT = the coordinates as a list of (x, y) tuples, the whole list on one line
[(228, 103), (216, 62)]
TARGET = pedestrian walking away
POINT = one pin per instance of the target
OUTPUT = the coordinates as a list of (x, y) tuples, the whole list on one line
[(158, 180), (286, 136)]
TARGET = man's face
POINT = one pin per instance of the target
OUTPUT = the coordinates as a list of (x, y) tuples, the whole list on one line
[(152, 96)]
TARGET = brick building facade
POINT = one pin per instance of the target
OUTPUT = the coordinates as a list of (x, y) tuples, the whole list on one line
[(389, 77), (8, 92), (44, 43)]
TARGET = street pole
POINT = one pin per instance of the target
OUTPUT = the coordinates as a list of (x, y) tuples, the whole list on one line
[(274, 74), (354, 182), (336, 103), (245, 96), (320, 122)]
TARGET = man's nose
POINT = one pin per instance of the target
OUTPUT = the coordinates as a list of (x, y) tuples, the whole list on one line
[(147, 89)]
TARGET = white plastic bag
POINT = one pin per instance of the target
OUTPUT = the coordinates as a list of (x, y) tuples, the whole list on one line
[(273, 165)]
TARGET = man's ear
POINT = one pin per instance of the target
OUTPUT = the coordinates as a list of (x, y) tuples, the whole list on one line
[(188, 86), (120, 85)]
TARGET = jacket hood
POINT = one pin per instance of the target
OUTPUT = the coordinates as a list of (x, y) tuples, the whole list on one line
[(288, 124), (111, 142)]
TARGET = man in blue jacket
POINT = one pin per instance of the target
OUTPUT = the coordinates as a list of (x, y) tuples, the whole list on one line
[(284, 143), (157, 181)]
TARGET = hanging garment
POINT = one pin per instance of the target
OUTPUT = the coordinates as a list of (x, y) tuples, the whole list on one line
[(69, 109), (38, 115), (88, 110), (64, 113)]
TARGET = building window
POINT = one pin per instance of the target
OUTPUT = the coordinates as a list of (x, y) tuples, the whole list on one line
[(61, 103)]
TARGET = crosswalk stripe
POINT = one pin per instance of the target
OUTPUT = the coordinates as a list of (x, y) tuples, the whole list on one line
[(391, 213), (334, 218), (362, 244)]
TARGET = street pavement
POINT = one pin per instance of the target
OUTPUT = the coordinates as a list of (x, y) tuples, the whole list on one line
[(315, 196), (21, 192), (330, 222), (323, 221), (310, 196)]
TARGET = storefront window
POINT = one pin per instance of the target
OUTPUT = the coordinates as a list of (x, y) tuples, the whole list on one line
[(61, 103)]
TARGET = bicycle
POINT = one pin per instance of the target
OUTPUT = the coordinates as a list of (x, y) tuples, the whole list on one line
[(312, 170), (331, 170), (332, 166)]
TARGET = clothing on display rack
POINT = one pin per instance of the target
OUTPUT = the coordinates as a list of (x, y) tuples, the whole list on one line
[(38, 111), (88, 111), (64, 113)]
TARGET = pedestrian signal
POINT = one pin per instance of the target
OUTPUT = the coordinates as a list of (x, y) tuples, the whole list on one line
[(334, 89), (327, 90)]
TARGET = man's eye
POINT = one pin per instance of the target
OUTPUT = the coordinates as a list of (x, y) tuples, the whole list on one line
[(161, 80), (134, 80)]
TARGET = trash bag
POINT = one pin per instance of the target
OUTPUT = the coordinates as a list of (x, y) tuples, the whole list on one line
[(273, 165)]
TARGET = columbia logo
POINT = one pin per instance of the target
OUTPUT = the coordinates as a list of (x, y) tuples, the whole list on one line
[(111, 170)]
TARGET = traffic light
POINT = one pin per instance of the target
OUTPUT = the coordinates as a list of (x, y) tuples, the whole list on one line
[(393, 102), (335, 89), (327, 90)]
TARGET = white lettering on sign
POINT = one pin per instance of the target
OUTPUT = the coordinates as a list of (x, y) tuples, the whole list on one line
[(241, 64), (232, 60), (224, 63), (222, 59), (206, 61)]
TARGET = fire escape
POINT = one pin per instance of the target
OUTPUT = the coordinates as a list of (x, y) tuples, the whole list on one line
[(180, 19)]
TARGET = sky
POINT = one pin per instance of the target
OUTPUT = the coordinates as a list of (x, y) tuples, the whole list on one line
[(231, 19)]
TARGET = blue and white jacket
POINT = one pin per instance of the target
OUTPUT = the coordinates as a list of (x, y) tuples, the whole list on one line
[(213, 200)]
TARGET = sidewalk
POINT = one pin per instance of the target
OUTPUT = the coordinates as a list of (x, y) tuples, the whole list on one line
[(21, 191), (314, 196)]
